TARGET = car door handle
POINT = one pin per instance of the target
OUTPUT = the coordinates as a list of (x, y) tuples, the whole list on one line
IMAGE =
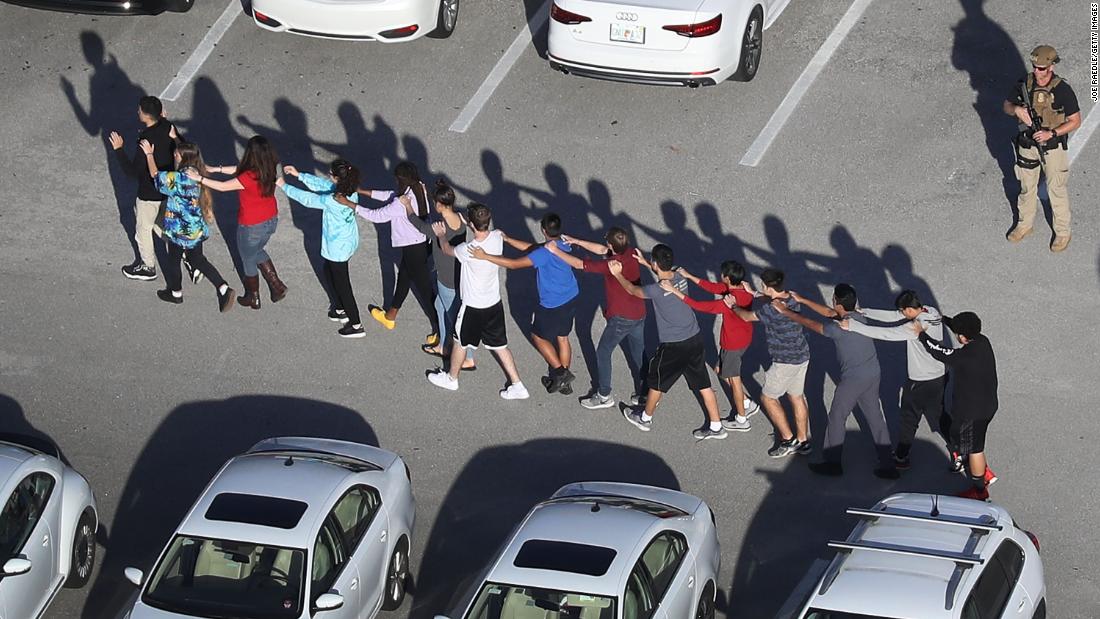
[(45, 540), (382, 537), (1023, 603), (354, 584), (691, 582)]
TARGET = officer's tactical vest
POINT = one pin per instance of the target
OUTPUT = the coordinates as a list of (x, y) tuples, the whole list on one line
[(1042, 99)]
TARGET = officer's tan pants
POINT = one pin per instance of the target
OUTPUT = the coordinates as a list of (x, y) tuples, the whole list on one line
[(1057, 171), (145, 212)]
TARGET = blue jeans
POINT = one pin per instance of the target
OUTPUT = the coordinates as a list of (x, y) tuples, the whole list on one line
[(446, 309), (619, 329), (250, 244)]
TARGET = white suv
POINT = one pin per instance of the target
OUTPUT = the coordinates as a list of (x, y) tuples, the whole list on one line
[(924, 556)]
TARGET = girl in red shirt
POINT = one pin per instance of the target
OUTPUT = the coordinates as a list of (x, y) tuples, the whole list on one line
[(257, 217)]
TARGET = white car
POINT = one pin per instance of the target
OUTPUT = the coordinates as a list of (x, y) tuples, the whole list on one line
[(389, 21), (672, 42), (599, 550), (922, 556), (47, 527), (294, 528)]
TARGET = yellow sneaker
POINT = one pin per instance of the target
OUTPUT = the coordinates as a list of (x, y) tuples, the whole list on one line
[(379, 314), (1060, 243)]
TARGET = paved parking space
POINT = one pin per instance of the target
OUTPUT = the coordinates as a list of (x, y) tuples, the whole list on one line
[(887, 174)]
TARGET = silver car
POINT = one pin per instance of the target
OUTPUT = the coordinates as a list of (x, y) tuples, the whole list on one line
[(600, 550), (47, 526), (294, 528)]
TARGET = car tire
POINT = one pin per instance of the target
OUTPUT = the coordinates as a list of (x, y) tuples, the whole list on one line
[(447, 19), (752, 42), (705, 608), (82, 557), (397, 576)]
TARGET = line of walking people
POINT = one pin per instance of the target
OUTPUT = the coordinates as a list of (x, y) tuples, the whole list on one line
[(463, 253)]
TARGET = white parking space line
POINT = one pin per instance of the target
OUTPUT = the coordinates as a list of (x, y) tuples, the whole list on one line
[(1078, 139), (802, 84), (194, 62), (504, 65)]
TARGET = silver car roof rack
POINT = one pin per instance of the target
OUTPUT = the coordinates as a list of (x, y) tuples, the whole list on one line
[(956, 521), (960, 558)]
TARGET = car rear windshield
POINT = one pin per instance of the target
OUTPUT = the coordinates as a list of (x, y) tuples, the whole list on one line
[(255, 509), (542, 554), (517, 602), (659, 510), (227, 579)]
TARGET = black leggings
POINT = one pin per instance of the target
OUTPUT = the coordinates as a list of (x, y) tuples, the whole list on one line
[(414, 270), (174, 277), (342, 297)]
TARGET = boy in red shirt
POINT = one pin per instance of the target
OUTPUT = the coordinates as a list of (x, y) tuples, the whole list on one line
[(735, 337)]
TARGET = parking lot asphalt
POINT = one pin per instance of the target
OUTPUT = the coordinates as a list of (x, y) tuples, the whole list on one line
[(888, 174)]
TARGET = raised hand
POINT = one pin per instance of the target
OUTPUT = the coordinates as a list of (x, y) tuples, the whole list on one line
[(478, 252), (781, 307), (440, 229), (917, 326), (146, 147), (172, 132), (342, 199), (615, 267), (796, 296), (844, 324), (291, 170), (193, 174), (667, 285), (115, 139), (406, 201)]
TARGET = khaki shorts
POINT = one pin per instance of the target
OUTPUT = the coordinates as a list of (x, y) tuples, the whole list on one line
[(785, 378)]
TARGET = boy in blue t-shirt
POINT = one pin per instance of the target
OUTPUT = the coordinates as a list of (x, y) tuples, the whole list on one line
[(556, 310)]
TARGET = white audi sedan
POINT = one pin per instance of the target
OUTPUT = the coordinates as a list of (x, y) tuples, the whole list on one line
[(670, 42), (600, 550), (294, 528), (389, 21), (47, 526)]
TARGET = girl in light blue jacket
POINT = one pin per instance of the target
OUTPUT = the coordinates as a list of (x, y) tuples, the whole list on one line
[(339, 234)]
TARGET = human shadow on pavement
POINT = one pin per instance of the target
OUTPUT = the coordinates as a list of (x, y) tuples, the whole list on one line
[(112, 106), (14, 422), (495, 490), (990, 57), (179, 459), (801, 512)]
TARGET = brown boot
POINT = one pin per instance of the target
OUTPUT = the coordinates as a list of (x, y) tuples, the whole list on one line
[(1018, 233), (276, 285), (1061, 242), (251, 296)]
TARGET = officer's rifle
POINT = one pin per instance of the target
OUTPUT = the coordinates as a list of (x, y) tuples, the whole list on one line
[(1036, 123)]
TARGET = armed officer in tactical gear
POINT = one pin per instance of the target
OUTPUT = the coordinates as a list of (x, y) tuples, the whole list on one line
[(1042, 142)]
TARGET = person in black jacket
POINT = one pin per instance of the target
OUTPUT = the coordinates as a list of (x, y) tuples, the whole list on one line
[(160, 133), (974, 371)]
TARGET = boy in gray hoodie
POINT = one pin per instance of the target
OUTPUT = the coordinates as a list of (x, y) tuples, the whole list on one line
[(922, 395)]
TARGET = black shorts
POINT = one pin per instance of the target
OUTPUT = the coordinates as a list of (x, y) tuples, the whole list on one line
[(551, 323), (672, 360), (968, 437), (475, 326)]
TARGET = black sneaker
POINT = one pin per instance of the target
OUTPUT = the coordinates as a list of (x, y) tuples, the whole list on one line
[(957, 463), (783, 449), (225, 301), (140, 272), (804, 448), (195, 275), (566, 382), (558, 378), (167, 296), (336, 315), (902, 464), (830, 469), (350, 331)]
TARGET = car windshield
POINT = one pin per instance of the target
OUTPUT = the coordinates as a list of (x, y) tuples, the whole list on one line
[(222, 578), (814, 613), (497, 601)]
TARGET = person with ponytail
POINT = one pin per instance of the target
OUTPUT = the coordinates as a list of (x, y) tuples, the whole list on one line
[(414, 268), (188, 214), (257, 216), (450, 230), (339, 234)]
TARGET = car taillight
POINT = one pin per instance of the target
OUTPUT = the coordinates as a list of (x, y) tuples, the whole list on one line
[(560, 15), (400, 33), (264, 19), (1034, 540), (702, 29)]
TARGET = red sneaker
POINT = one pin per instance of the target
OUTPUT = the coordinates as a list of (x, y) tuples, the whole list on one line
[(990, 477), (974, 493)]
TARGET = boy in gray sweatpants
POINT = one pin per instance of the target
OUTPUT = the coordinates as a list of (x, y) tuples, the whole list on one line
[(858, 385)]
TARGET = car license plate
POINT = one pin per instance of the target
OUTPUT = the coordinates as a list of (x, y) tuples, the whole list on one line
[(628, 33)]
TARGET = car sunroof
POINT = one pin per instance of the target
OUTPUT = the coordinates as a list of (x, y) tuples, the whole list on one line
[(543, 554), (254, 509)]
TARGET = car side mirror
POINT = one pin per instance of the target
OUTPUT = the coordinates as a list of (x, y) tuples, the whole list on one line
[(329, 601), (134, 575), (16, 566)]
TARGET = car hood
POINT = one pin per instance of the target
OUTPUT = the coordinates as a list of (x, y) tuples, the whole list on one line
[(142, 611)]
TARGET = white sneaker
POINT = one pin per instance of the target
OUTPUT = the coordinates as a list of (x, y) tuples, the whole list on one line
[(439, 378), (751, 408), (515, 391)]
